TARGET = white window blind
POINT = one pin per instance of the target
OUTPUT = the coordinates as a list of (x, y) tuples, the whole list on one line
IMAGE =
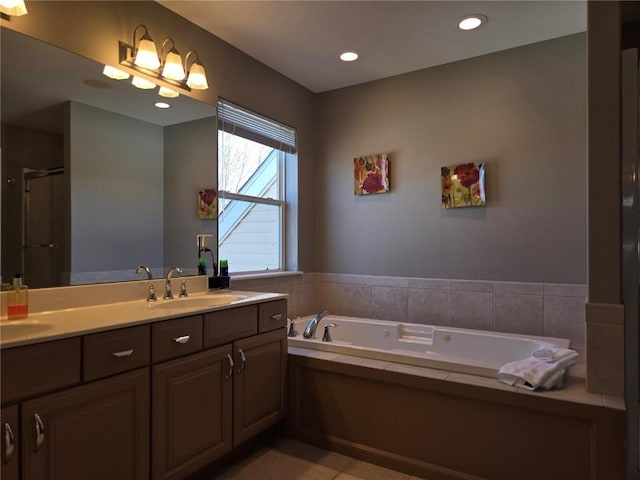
[(252, 126)]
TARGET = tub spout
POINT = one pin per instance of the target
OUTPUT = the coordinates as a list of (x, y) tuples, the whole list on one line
[(310, 329)]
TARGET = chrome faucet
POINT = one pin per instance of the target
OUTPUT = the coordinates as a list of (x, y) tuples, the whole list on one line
[(327, 336), (168, 294), (151, 293), (310, 329)]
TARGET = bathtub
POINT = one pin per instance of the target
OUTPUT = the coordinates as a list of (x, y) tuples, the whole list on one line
[(454, 349)]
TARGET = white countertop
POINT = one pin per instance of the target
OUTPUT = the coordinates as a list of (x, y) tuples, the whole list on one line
[(71, 322)]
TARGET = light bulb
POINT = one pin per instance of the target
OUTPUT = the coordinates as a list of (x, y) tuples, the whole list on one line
[(197, 78)]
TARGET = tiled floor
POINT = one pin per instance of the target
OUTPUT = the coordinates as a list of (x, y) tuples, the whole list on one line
[(285, 459)]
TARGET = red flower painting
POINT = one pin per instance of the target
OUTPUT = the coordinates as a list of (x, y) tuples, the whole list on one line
[(371, 174), (463, 185), (207, 205)]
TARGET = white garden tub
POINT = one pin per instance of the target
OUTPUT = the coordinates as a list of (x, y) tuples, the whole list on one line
[(446, 348)]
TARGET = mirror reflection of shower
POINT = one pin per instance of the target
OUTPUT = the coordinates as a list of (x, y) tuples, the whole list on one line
[(42, 227)]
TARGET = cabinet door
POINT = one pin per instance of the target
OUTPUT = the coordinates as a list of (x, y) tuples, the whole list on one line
[(191, 412), (96, 431), (259, 383), (10, 443)]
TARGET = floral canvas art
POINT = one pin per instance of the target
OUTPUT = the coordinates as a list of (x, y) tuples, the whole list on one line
[(371, 174), (463, 185), (207, 204)]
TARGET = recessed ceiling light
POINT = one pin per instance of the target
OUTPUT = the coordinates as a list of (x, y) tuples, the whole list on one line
[(471, 22), (162, 105), (348, 56)]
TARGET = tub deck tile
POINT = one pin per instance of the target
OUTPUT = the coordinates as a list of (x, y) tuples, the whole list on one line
[(363, 362), (480, 381), (573, 391), (309, 352), (418, 371)]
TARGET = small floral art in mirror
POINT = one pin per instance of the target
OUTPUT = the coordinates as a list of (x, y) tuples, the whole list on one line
[(463, 185), (207, 204), (371, 174)]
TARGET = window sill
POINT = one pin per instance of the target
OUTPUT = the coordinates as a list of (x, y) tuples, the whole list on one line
[(264, 275)]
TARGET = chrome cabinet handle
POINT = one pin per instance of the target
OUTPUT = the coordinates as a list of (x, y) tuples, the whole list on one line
[(183, 339), (276, 316), (9, 442), (230, 372), (39, 431), (123, 353), (244, 360)]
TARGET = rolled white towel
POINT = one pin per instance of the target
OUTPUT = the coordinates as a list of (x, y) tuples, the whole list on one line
[(532, 373), (567, 356)]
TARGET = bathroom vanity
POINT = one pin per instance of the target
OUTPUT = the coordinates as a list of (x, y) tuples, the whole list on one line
[(159, 398)]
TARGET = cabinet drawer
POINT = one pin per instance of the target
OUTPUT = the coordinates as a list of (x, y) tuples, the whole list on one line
[(35, 369), (224, 326), (174, 338), (115, 351), (272, 315)]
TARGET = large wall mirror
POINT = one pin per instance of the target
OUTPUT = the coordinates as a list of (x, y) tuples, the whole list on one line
[(96, 179)]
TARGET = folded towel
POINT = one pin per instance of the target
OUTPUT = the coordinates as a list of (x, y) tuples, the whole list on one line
[(555, 354), (532, 373)]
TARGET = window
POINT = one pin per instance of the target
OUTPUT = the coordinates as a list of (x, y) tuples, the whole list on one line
[(252, 153)]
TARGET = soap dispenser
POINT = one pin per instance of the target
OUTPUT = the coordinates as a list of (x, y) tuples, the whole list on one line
[(18, 300)]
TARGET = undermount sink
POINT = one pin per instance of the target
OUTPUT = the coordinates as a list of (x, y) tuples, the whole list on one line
[(205, 301), (15, 329)]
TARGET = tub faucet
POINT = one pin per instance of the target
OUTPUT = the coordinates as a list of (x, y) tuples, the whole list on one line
[(310, 329), (327, 336), (168, 294)]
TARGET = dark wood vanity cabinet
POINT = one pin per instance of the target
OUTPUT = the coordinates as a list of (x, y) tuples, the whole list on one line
[(97, 431), (259, 392), (191, 405), (206, 403), (10, 443), (156, 401)]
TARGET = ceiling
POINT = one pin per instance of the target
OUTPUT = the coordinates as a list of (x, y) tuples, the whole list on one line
[(302, 39)]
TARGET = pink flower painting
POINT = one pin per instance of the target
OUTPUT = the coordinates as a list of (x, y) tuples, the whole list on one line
[(371, 174), (207, 204), (463, 185)]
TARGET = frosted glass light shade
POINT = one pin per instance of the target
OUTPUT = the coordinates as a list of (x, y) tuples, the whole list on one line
[(173, 68), (197, 78), (142, 83), (147, 55), (167, 93), (14, 8), (114, 73)]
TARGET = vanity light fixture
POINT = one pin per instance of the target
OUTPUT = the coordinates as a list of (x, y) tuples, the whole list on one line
[(142, 83), (172, 66), (145, 54), (114, 73), (471, 22), (142, 57), (197, 78), (167, 92), (348, 56), (13, 8)]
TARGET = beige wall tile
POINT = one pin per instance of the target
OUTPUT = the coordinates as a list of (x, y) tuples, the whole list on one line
[(471, 310), (305, 300), (430, 307), (429, 283), (519, 314), (518, 288), (564, 317), (354, 300), (471, 286), (565, 290), (389, 303), (605, 355)]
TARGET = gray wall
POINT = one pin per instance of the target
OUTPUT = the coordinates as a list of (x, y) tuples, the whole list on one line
[(190, 152), (521, 111), (116, 174)]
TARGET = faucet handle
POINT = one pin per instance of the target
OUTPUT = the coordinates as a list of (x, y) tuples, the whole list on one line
[(151, 296), (327, 336), (292, 328), (183, 289)]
